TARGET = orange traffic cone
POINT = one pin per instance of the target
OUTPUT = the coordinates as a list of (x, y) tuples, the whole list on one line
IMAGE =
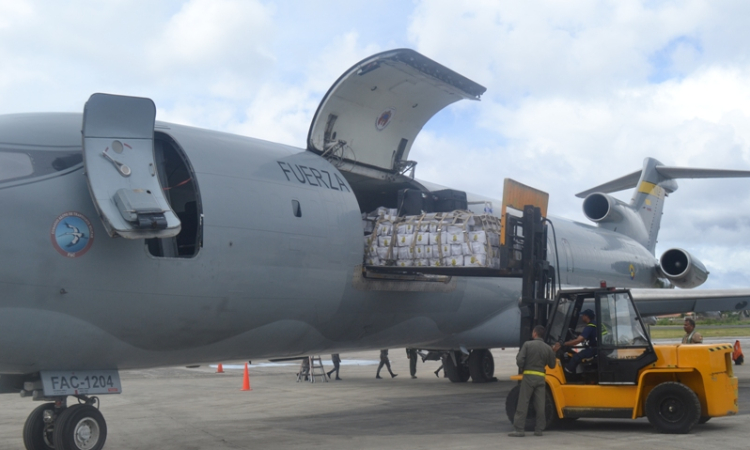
[(737, 355), (246, 381), (220, 369)]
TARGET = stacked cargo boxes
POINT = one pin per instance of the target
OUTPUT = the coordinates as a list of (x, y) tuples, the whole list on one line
[(447, 239)]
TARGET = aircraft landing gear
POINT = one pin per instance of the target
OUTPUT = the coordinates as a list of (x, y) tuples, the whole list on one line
[(482, 366), (54, 426)]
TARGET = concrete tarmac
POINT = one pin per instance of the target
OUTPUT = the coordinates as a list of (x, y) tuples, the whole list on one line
[(191, 409)]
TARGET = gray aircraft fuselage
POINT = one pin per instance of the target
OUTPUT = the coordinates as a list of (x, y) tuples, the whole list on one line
[(265, 283)]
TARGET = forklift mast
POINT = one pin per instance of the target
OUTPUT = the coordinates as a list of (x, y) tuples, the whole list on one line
[(538, 276)]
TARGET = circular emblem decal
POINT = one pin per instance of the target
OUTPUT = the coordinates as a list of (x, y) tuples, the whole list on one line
[(72, 234), (385, 118)]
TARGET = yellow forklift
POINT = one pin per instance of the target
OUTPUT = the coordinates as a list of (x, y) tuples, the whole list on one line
[(676, 386)]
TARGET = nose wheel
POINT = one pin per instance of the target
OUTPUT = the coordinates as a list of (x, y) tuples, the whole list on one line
[(78, 427)]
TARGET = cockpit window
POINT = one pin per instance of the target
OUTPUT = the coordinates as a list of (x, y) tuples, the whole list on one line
[(15, 165), (18, 165)]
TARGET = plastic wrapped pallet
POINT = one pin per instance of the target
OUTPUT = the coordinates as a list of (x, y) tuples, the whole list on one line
[(382, 252), (405, 253), (453, 261), (421, 238), (451, 239), (436, 238), (404, 240), (383, 228)]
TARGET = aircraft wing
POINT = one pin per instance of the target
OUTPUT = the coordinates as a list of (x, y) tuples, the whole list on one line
[(654, 302)]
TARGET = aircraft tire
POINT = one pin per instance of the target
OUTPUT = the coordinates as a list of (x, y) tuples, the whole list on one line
[(550, 412), (482, 366), (80, 427), (458, 374), (37, 435), (673, 408)]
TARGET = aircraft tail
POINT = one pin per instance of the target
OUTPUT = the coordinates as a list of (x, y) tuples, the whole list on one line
[(641, 218)]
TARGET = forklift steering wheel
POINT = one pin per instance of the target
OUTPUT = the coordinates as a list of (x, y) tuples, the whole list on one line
[(571, 334)]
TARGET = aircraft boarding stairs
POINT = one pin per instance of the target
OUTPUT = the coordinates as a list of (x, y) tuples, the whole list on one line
[(311, 367)]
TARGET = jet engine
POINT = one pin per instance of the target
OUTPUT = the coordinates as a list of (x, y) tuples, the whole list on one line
[(616, 215), (682, 269)]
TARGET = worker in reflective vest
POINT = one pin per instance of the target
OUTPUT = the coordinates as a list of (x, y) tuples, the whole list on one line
[(588, 335), (532, 359)]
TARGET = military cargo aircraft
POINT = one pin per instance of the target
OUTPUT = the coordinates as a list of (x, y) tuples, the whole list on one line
[(133, 243)]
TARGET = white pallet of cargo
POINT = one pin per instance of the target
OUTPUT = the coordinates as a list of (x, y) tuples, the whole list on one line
[(478, 236), (436, 238), (405, 228), (479, 260), (421, 238), (404, 240), (384, 241), (405, 253), (384, 229), (453, 238), (441, 250), (453, 261)]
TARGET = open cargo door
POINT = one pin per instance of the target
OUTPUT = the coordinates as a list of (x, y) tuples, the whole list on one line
[(118, 152), (372, 114)]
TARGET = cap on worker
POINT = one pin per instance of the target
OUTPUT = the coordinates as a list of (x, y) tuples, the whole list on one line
[(590, 313)]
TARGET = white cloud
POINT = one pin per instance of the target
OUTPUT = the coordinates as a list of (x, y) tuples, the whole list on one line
[(211, 35)]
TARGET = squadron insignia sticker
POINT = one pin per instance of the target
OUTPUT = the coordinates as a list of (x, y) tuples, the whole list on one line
[(384, 119), (72, 234), (632, 272)]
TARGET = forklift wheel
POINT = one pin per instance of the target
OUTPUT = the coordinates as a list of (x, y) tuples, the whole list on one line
[(550, 411), (673, 408)]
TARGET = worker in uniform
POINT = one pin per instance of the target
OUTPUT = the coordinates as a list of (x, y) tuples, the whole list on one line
[(336, 360), (411, 353), (588, 335), (384, 361), (531, 359), (691, 335)]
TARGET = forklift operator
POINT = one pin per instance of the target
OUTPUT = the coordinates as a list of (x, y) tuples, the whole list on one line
[(588, 334)]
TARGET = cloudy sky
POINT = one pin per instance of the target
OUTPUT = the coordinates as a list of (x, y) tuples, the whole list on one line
[(578, 92)]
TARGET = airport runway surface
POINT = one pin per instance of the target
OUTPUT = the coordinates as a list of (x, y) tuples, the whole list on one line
[(189, 409)]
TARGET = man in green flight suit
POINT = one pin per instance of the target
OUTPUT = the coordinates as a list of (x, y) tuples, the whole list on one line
[(531, 359)]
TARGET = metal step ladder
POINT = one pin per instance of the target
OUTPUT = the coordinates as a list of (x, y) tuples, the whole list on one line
[(311, 367)]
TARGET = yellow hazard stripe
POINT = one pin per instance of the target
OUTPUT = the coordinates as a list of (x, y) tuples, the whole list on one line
[(533, 372), (651, 189)]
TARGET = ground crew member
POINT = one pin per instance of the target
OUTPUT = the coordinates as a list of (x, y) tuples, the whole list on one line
[(691, 335), (531, 359), (411, 353), (384, 361), (336, 360), (588, 334)]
